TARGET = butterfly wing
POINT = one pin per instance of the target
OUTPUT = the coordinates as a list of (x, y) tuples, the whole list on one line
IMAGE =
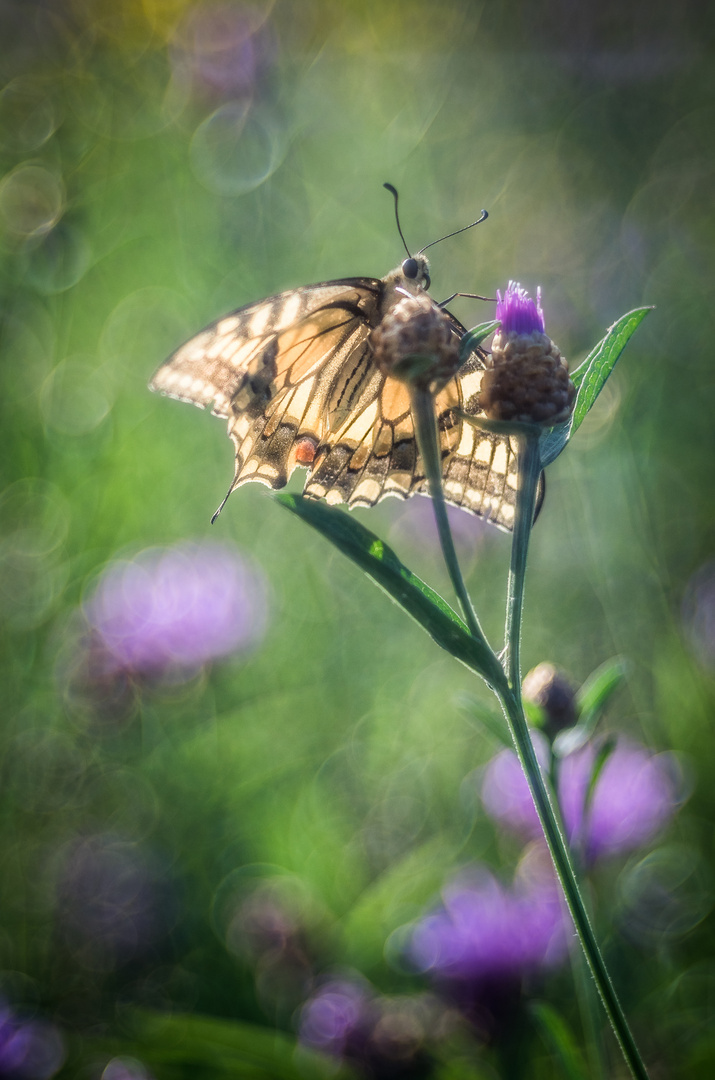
[(284, 371), (295, 378), (375, 454)]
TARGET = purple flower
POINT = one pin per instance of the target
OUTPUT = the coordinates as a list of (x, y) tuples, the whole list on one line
[(486, 932), (334, 1015), (517, 312), (110, 902), (699, 614), (505, 792), (347, 1019), (124, 1068), (29, 1049), (220, 50), (170, 612), (415, 526), (633, 798)]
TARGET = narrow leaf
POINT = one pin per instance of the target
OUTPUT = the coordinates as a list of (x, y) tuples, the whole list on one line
[(591, 376), (604, 752), (475, 337), (591, 700), (380, 562), (600, 685), (480, 716), (559, 1039), (552, 442), (176, 1045)]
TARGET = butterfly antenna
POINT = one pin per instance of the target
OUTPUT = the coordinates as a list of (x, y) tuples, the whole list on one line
[(393, 192), (482, 217)]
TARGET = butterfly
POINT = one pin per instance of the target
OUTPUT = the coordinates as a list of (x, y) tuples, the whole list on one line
[(295, 377)]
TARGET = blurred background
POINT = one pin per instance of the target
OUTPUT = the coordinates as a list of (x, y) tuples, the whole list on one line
[(253, 822)]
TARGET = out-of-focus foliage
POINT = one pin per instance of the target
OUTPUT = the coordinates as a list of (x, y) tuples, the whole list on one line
[(224, 841)]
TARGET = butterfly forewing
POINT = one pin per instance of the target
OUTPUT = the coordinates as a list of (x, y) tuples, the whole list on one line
[(213, 366), (295, 377)]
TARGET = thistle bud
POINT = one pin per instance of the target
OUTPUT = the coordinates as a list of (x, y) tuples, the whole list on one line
[(527, 379), (416, 342), (549, 688)]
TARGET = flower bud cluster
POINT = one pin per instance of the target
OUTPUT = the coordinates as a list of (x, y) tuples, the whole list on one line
[(527, 380), (416, 342)]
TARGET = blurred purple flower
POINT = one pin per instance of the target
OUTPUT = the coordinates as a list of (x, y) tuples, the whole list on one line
[(124, 1068), (29, 1049), (169, 612), (110, 902), (486, 932), (384, 1035), (517, 312), (415, 526), (505, 792), (699, 614), (220, 50), (337, 1013), (633, 798)]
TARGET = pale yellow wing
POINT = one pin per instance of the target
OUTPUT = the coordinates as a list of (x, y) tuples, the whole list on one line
[(284, 371), (375, 454), (295, 378)]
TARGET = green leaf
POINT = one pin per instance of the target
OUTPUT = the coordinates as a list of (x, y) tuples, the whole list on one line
[(600, 686), (591, 376), (552, 442), (380, 562), (481, 716), (557, 1036), (589, 379), (591, 700), (176, 1045), (604, 752), (475, 337), (396, 897)]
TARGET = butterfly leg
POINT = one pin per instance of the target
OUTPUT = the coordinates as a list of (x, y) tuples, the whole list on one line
[(469, 296)]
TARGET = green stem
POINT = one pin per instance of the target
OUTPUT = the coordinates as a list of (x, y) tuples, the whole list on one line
[(423, 414), (529, 469)]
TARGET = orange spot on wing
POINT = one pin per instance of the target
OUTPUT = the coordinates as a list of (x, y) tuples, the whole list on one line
[(305, 450)]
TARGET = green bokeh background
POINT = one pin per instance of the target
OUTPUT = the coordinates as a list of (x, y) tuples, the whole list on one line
[(336, 757)]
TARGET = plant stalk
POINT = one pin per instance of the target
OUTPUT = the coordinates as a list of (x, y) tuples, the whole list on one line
[(529, 470), (423, 414)]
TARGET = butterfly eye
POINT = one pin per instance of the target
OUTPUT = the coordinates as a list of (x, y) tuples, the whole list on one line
[(410, 268)]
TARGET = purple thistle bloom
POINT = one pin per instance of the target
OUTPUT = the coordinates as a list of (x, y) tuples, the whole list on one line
[(517, 312), (505, 792), (384, 1035), (332, 1017), (29, 1049), (170, 612), (633, 798), (486, 932)]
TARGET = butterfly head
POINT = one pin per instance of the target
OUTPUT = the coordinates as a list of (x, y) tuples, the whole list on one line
[(412, 275)]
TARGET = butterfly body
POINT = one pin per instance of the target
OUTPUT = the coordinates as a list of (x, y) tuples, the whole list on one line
[(295, 377)]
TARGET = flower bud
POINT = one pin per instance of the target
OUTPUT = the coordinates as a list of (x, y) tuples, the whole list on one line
[(547, 686), (416, 342), (527, 380)]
